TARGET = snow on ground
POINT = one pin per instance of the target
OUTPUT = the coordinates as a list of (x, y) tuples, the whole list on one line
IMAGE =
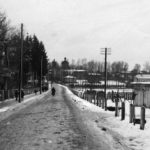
[(11, 108), (4, 109), (133, 136)]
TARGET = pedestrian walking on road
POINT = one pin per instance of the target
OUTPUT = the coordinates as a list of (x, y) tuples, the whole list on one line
[(53, 91), (16, 94), (22, 94), (35, 91)]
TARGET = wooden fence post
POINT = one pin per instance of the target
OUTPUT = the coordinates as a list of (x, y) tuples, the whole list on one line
[(116, 108), (132, 113), (8, 91), (102, 103), (94, 99), (83, 96), (112, 96), (86, 98), (123, 111), (142, 121), (97, 100)]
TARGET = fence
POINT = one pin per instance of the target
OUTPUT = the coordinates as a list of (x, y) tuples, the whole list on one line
[(125, 95), (141, 98)]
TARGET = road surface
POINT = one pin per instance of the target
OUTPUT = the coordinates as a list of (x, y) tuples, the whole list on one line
[(50, 123)]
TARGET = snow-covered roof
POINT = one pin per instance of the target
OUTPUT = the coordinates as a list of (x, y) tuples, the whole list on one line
[(141, 83), (70, 77), (143, 76), (75, 70), (94, 74)]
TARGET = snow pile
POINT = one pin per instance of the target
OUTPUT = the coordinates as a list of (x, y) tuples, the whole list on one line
[(132, 135)]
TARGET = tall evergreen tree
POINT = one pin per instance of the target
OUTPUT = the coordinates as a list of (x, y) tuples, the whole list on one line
[(39, 54)]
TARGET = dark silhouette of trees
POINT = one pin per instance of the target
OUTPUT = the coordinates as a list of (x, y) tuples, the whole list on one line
[(55, 71), (119, 66), (136, 69), (33, 52), (146, 67), (3, 26)]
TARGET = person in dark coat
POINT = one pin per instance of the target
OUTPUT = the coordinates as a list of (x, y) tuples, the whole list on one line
[(35, 91), (53, 91), (22, 94), (16, 94)]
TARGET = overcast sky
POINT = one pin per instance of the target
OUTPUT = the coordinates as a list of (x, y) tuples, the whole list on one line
[(80, 28)]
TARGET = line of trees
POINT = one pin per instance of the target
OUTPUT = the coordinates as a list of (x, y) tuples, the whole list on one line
[(97, 66), (10, 44), (117, 70), (116, 66)]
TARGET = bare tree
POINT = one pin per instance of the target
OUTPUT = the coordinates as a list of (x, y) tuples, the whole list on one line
[(119, 66), (72, 65), (84, 63), (5, 28), (137, 68), (91, 66), (146, 67), (100, 66), (108, 67)]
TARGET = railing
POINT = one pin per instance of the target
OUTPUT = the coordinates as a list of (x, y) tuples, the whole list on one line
[(100, 94)]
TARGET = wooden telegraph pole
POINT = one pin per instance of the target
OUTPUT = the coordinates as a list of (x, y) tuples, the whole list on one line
[(41, 74), (105, 52), (21, 67), (142, 121)]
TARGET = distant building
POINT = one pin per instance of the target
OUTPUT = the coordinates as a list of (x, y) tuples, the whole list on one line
[(142, 78), (141, 81), (94, 77), (70, 79), (141, 86), (65, 64), (78, 73)]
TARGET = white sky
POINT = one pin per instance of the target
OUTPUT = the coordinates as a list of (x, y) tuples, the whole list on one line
[(80, 28)]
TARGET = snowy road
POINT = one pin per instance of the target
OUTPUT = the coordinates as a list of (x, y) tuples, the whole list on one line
[(52, 123)]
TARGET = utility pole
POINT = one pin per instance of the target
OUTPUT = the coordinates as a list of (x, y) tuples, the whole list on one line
[(41, 75), (21, 67), (105, 52), (4, 64)]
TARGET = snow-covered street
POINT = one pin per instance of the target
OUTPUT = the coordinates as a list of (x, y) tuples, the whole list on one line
[(68, 122), (45, 122)]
